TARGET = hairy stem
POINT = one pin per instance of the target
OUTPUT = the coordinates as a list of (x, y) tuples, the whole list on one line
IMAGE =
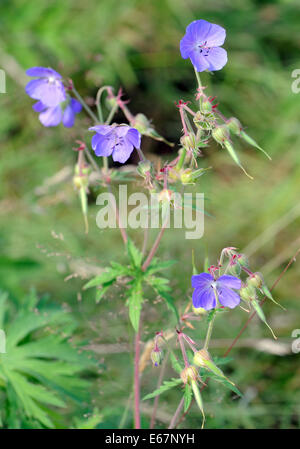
[(159, 382), (84, 105), (154, 248), (209, 332), (176, 414)]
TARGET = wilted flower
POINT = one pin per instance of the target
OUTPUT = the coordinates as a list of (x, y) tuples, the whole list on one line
[(201, 44), (206, 287), (47, 88), (52, 116), (118, 141)]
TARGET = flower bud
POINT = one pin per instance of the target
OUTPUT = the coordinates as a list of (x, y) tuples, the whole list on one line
[(234, 126), (206, 106), (111, 102), (247, 293), (81, 177), (201, 357), (165, 195), (189, 141), (157, 356), (220, 134), (144, 167), (199, 311), (141, 123), (235, 269), (189, 374), (203, 121), (256, 280), (243, 260)]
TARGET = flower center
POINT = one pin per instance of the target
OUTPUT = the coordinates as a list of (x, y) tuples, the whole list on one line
[(51, 79), (203, 49)]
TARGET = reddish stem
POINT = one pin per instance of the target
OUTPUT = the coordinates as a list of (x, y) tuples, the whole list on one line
[(154, 248), (137, 416)]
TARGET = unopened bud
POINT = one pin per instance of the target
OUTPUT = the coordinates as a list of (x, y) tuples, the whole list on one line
[(201, 358), (256, 280), (141, 123), (157, 356), (189, 141), (234, 126), (144, 167), (81, 178), (243, 260), (206, 106), (247, 293), (189, 374), (220, 134), (199, 311), (203, 122), (235, 269), (111, 102), (165, 195)]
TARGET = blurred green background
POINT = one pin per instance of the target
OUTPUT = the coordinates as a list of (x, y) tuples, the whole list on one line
[(136, 44)]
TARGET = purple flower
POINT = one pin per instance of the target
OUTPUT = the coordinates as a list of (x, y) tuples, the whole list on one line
[(201, 43), (205, 288), (116, 140), (52, 116), (47, 88)]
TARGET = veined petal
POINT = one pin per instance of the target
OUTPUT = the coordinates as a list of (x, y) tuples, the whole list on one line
[(122, 152), (103, 147), (199, 61), (187, 45), (42, 72), (75, 105), (198, 31), (227, 297), (216, 58), (101, 129), (49, 93), (121, 130), (134, 137), (202, 280), (68, 117), (229, 281), (204, 298), (39, 107), (215, 36), (51, 116)]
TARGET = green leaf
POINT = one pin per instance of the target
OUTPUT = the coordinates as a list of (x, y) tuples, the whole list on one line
[(252, 142), (167, 385), (156, 266), (160, 285), (226, 383), (234, 156), (175, 363), (107, 276), (135, 301), (39, 371), (268, 294), (188, 395), (261, 315), (134, 254)]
